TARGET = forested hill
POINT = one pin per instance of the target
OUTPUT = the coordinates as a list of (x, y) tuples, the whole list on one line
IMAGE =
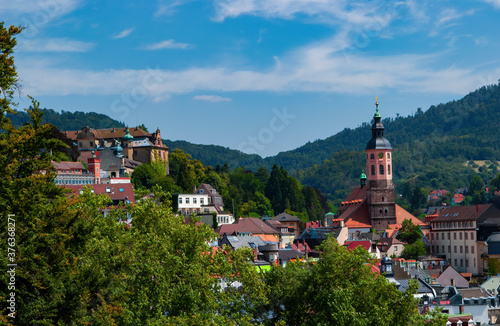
[(469, 126), (430, 147), (69, 120)]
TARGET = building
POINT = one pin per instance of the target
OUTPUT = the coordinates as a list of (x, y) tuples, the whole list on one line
[(250, 226), (119, 193), (214, 199), (372, 205), (293, 223), (458, 234), (135, 143), (75, 173)]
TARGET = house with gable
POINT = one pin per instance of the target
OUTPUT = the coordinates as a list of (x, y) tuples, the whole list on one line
[(293, 223), (451, 277)]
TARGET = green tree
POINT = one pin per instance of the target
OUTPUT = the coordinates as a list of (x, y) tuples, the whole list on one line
[(340, 289), (412, 251), (476, 190), (409, 232)]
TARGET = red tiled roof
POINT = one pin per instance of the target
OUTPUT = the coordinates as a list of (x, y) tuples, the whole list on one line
[(313, 224), (351, 245), (114, 191), (402, 214)]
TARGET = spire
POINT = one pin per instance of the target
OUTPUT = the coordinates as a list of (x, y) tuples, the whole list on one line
[(377, 114), (378, 141)]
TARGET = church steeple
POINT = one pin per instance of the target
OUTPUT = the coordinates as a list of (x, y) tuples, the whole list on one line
[(378, 141), (380, 189)]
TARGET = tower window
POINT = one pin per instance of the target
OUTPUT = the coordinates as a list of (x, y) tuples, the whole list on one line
[(381, 169), (388, 169), (372, 156), (383, 199), (373, 169), (388, 155)]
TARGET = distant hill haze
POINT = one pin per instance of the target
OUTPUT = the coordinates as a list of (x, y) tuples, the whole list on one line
[(430, 147)]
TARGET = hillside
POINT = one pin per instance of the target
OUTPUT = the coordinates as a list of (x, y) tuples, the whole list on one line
[(69, 120), (431, 148)]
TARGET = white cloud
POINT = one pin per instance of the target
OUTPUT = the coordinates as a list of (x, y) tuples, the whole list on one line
[(311, 69), (212, 98), (167, 44), (326, 11), (449, 15), (54, 45), (40, 9), (495, 3), (124, 33)]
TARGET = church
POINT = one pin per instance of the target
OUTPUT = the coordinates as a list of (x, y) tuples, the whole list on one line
[(372, 204)]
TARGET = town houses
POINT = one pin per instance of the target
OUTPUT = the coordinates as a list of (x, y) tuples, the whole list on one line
[(460, 241)]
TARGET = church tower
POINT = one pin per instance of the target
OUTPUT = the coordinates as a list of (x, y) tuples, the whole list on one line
[(380, 189)]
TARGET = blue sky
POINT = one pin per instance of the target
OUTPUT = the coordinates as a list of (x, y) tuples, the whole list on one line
[(262, 76)]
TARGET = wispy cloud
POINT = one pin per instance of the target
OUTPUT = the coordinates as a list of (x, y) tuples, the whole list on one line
[(327, 11), (49, 8), (54, 45), (314, 69), (212, 98), (167, 44), (124, 33), (168, 7), (450, 15), (495, 3)]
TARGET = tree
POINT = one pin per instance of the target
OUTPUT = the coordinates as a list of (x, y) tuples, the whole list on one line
[(340, 289), (412, 251), (409, 232), (476, 190)]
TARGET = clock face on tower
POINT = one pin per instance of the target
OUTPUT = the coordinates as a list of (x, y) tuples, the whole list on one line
[(380, 155)]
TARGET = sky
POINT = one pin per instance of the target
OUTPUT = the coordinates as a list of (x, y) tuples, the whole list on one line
[(260, 76)]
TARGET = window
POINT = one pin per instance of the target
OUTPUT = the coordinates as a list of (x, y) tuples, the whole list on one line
[(120, 189), (443, 249), (81, 145), (201, 191), (455, 250), (466, 263), (454, 236), (461, 249), (381, 169), (466, 249), (437, 249), (90, 143), (472, 235), (202, 201), (388, 169), (442, 236), (432, 249), (373, 169), (395, 248), (108, 189), (461, 263), (180, 200), (456, 262), (187, 200), (449, 249), (460, 236), (472, 250), (388, 155), (194, 201), (432, 236), (448, 235), (383, 199), (372, 156)]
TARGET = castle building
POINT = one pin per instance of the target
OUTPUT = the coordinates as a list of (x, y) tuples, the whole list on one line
[(372, 205), (133, 144)]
